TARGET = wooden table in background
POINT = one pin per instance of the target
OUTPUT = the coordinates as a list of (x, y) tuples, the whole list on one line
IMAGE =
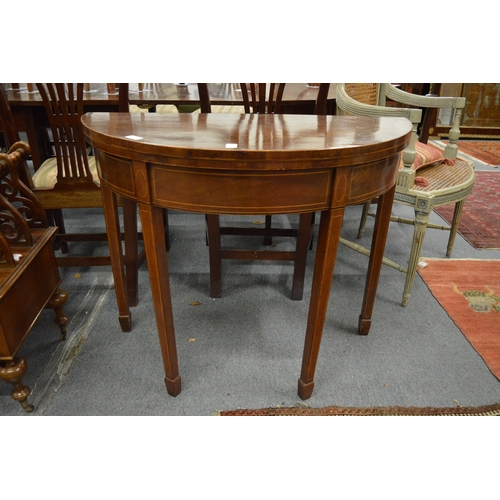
[(29, 113), (246, 164)]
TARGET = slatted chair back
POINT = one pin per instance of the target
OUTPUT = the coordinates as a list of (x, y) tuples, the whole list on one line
[(262, 97), (64, 107)]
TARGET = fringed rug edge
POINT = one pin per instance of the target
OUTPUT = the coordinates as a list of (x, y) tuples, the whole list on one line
[(397, 411)]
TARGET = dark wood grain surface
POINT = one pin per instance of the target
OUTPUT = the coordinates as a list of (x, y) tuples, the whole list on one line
[(246, 164)]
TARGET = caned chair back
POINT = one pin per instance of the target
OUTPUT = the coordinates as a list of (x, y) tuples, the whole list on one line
[(366, 93)]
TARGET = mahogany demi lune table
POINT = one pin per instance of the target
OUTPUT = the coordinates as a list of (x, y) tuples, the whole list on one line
[(246, 164)]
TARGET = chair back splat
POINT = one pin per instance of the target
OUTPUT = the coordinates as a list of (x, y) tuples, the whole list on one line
[(64, 107)]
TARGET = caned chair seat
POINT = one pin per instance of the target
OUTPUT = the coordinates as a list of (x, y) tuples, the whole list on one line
[(442, 177), (46, 176)]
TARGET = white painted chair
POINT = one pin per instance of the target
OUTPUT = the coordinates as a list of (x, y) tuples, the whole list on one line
[(428, 177)]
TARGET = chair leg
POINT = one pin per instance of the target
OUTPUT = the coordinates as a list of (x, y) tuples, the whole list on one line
[(364, 216), (59, 222), (131, 250), (304, 238), (268, 239), (13, 371), (167, 232), (421, 219), (214, 250), (454, 226)]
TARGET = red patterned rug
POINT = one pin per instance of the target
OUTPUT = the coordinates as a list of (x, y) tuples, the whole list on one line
[(487, 152), (381, 411), (469, 291), (480, 223)]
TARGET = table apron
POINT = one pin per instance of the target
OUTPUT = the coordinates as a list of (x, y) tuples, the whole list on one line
[(247, 191)]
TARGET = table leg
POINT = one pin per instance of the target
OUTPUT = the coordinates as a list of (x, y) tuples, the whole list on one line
[(326, 252), (156, 254), (117, 262), (375, 262), (131, 250)]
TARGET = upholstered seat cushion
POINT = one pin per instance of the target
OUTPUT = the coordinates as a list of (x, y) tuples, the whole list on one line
[(160, 108), (46, 176), (427, 155), (226, 109)]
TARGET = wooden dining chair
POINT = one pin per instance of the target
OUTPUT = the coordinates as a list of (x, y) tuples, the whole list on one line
[(29, 276), (259, 98), (69, 180), (427, 178)]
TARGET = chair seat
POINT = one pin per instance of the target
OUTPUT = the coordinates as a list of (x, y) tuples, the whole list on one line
[(160, 108), (441, 176), (46, 176), (225, 109)]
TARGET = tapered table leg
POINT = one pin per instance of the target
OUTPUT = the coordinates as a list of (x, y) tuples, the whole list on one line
[(117, 261), (156, 254), (380, 231), (326, 252)]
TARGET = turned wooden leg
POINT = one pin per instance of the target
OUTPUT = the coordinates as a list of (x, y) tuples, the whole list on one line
[(13, 371), (57, 302)]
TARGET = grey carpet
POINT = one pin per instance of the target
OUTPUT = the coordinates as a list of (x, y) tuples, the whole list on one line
[(245, 349)]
